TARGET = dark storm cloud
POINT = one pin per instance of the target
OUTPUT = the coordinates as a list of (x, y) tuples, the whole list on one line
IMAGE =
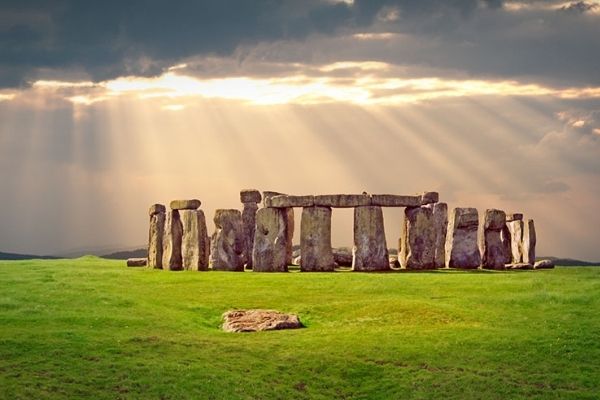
[(107, 39)]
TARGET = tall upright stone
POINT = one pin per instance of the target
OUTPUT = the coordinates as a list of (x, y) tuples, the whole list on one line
[(250, 199), (315, 239), (155, 235), (194, 243), (173, 234), (270, 241), (462, 249), (440, 228), (494, 254), (289, 212), (515, 230), (529, 242), (417, 250), (227, 242), (370, 251)]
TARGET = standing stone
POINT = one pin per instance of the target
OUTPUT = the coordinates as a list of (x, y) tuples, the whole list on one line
[(370, 251), (515, 229), (194, 243), (249, 224), (267, 195), (315, 239), (155, 236), (269, 253), (440, 228), (462, 250), (172, 237), (227, 242), (494, 254), (418, 239), (529, 242)]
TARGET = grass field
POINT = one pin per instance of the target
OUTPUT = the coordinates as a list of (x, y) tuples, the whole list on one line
[(92, 328)]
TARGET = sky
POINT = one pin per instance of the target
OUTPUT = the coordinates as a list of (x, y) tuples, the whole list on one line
[(108, 107)]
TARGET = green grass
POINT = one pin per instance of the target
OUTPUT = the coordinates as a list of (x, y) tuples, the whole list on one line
[(92, 328)]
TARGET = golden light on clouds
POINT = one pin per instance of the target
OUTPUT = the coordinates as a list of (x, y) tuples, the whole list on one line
[(353, 82)]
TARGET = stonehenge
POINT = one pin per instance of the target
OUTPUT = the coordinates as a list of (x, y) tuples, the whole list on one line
[(259, 236)]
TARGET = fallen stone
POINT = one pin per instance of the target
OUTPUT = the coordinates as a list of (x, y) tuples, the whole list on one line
[(136, 262), (156, 209), (249, 225), (370, 251), (155, 240), (514, 217), (515, 229), (172, 236), (519, 266), (259, 320), (315, 239), (440, 227), (429, 198), (185, 204), (194, 243), (286, 201), (529, 242), (342, 256), (418, 239), (270, 248), (342, 200), (227, 242), (462, 248), (494, 254), (250, 196), (543, 264), (392, 200)]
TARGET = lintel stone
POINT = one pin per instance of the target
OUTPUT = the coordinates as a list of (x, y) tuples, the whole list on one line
[(393, 200)]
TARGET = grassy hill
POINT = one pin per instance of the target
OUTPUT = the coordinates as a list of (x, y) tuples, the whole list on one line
[(92, 328), (16, 256)]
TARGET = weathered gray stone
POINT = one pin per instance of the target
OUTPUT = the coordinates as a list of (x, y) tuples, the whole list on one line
[(289, 229), (342, 256), (394, 263), (227, 242), (155, 240), (259, 320), (156, 209), (494, 254), (462, 249), (296, 260), (250, 196), (342, 200), (429, 198), (194, 242), (286, 201), (137, 262), (515, 229), (519, 266), (193, 204), (267, 194), (392, 200), (529, 242), (440, 227), (544, 264), (418, 239), (514, 217), (249, 224), (370, 251), (171, 241), (315, 239), (270, 241)]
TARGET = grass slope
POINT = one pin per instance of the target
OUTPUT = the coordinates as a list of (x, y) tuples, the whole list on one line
[(92, 328)]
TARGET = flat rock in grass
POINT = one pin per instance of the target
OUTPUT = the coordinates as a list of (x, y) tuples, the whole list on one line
[(543, 264), (259, 320), (137, 262), (519, 266)]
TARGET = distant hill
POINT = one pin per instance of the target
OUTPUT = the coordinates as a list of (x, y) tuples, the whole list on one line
[(15, 256), (570, 262), (124, 255)]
